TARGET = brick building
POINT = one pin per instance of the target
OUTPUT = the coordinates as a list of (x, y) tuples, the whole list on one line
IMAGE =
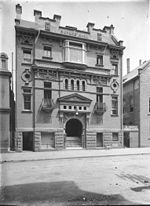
[(136, 102), (68, 85)]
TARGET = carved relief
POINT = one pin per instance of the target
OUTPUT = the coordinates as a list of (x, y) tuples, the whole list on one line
[(46, 74), (26, 76), (25, 38), (114, 85), (114, 54)]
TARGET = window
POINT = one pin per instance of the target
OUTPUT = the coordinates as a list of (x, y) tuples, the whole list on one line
[(115, 69), (75, 52), (66, 83), (47, 52), (99, 95), (149, 105), (3, 63), (27, 99), (99, 60), (115, 136), (72, 84), (84, 108), (27, 56), (80, 108), (70, 107), (78, 85), (83, 85), (131, 105), (114, 105), (47, 90), (65, 107)]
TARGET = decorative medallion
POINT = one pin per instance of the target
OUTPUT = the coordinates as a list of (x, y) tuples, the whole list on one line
[(114, 85), (26, 76)]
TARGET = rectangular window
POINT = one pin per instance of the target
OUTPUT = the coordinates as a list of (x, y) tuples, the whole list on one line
[(27, 56), (115, 136), (74, 52), (99, 60), (149, 105), (47, 90), (114, 105), (99, 95), (47, 52), (115, 69), (3, 63), (27, 99)]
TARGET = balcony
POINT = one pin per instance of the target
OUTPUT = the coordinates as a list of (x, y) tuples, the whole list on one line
[(47, 105), (99, 108)]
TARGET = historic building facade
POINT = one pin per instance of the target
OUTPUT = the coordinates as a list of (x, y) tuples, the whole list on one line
[(136, 103), (68, 85), (5, 103)]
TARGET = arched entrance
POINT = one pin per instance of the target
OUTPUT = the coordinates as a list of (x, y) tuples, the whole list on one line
[(73, 133)]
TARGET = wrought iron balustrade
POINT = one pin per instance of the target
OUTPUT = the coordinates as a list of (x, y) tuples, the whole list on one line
[(100, 107), (47, 105)]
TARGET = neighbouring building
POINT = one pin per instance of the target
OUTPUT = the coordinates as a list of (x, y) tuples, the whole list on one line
[(68, 85), (136, 103), (5, 91)]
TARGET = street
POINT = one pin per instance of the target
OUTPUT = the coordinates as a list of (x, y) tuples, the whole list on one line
[(116, 180)]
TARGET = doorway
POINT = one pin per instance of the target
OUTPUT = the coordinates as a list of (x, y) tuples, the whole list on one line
[(99, 140), (74, 133), (28, 141)]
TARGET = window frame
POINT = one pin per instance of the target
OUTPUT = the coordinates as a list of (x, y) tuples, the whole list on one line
[(27, 94), (47, 52), (99, 60), (114, 108), (28, 58), (115, 69), (114, 137)]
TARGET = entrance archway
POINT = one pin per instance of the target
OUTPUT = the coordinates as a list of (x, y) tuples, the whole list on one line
[(73, 133)]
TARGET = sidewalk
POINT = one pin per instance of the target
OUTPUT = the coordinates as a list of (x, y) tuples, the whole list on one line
[(70, 153)]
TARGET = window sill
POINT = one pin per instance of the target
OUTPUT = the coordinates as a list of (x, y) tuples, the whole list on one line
[(48, 58), (99, 65), (114, 115), (26, 111)]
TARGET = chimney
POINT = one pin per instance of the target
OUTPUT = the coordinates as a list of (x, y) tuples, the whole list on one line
[(57, 19), (90, 27), (112, 29), (128, 65), (37, 15), (18, 11), (120, 43), (140, 62)]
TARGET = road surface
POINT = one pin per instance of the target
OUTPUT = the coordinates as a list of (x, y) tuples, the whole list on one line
[(117, 180)]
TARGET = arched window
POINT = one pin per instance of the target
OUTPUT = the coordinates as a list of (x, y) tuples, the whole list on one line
[(72, 84), (66, 83), (83, 86), (78, 85)]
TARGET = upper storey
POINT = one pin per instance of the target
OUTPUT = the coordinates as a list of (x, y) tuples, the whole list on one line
[(103, 36)]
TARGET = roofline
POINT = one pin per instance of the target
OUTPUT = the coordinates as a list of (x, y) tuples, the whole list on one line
[(63, 36), (136, 77)]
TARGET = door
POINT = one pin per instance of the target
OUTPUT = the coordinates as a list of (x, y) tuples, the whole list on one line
[(74, 133), (28, 141), (99, 140)]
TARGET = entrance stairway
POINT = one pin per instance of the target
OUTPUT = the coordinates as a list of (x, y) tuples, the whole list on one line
[(73, 142)]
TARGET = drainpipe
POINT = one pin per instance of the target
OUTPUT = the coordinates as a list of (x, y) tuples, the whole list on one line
[(33, 86), (121, 100)]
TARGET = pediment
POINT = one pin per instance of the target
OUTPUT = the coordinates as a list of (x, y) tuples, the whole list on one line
[(75, 98)]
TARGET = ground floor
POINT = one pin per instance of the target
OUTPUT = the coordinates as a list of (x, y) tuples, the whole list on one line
[(73, 135), (111, 180)]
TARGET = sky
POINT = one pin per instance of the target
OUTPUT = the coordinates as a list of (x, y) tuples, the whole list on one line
[(131, 20)]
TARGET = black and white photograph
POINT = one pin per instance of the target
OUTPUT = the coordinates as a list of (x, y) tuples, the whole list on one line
[(74, 102)]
